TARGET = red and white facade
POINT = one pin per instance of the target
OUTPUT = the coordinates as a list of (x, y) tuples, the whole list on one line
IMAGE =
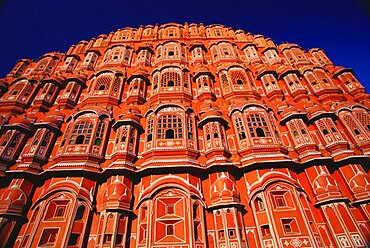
[(184, 136)]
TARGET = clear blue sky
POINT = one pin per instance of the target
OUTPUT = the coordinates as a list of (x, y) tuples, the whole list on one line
[(30, 28)]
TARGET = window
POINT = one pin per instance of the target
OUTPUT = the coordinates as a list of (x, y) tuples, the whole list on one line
[(107, 239), (240, 128), (99, 133), (170, 208), (119, 239), (15, 140), (34, 216), (60, 211), (258, 126), (80, 139), (279, 201), (289, 226), (48, 236), (190, 128), (363, 117), (169, 229), (169, 127), (81, 133), (150, 130), (265, 229), (25, 241), (80, 213), (56, 209), (260, 132), (238, 77), (170, 79), (231, 233), (73, 239), (221, 234), (103, 82), (195, 210), (259, 205)]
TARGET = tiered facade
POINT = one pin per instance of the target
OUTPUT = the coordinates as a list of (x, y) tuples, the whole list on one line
[(184, 136)]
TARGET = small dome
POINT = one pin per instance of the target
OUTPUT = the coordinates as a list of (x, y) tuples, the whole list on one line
[(224, 190), (20, 120), (57, 78), (205, 106), (211, 112), (118, 192), (314, 109), (14, 196), (202, 68), (288, 46), (263, 69), (131, 113), (289, 110), (343, 105), (283, 70), (141, 71), (53, 120)]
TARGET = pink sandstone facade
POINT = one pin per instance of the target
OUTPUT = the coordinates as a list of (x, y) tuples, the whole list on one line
[(184, 136)]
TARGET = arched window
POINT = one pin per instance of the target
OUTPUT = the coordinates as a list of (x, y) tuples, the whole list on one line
[(260, 132), (34, 215), (352, 125), (190, 128), (155, 83), (57, 209), (15, 140), (99, 133), (170, 127), (150, 130), (170, 134), (259, 205), (169, 229), (258, 126), (103, 82), (81, 133), (170, 79), (80, 213), (46, 140), (240, 128), (225, 82), (238, 77), (6, 138), (363, 117), (80, 139)]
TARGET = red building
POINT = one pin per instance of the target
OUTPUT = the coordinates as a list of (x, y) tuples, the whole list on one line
[(184, 136)]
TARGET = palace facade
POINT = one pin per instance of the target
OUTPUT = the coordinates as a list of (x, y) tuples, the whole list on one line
[(184, 136)]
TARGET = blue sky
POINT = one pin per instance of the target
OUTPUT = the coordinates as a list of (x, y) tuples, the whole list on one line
[(342, 27)]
